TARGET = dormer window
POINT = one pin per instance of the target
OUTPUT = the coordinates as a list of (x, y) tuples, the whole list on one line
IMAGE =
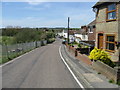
[(111, 12)]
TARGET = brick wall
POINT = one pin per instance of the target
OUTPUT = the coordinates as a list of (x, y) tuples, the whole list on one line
[(91, 36)]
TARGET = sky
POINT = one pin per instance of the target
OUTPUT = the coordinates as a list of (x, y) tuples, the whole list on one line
[(47, 14)]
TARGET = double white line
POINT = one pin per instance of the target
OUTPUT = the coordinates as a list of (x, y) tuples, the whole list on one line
[(70, 70)]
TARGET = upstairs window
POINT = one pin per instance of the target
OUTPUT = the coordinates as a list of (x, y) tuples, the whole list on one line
[(111, 12)]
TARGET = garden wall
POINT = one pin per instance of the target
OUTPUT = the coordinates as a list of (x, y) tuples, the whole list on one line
[(81, 57), (104, 69)]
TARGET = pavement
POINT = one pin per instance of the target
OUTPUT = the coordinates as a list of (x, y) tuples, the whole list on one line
[(88, 77), (41, 68)]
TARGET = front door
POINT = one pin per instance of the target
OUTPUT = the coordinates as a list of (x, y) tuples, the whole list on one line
[(100, 41)]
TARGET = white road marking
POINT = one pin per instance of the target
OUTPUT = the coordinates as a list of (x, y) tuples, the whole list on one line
[(16, 58), (70, 69)]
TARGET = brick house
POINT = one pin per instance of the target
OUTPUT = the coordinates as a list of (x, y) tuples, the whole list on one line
[(108, 27), (86, 33), (91, 30)]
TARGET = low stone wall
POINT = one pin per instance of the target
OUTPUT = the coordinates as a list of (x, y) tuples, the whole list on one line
[(79, 56), (104, 69)]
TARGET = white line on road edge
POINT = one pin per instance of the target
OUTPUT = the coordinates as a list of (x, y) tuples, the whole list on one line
[(16, 58), (70, 69)]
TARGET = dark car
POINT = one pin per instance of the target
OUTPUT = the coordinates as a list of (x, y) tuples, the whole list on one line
[(64, 41)]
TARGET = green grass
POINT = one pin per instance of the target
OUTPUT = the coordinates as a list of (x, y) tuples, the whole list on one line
[(6, 39), (5, 59)]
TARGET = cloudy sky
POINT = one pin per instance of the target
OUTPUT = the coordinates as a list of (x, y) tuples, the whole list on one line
[(47, 14)]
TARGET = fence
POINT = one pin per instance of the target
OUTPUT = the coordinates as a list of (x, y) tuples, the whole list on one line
[(11, 51)]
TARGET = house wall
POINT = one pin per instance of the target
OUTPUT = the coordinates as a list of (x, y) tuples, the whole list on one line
[(91, 36), (119, 22), (60, 34), (107, 28), (77, 40), (71, 37), (65, 35), (83, 37)]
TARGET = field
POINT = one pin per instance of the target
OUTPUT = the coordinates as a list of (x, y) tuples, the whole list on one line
[(6, 40)]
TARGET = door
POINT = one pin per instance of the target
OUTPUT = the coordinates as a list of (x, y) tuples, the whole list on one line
[(100, 41)]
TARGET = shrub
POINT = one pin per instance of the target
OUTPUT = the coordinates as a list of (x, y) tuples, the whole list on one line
[(51, 40), (86, 46), (111, 81), (79, 45), (95, 54), (75, 43), (99, 54)]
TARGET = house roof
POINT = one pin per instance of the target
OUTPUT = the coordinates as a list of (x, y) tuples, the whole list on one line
[(92, 23), (65, 31), (78, 38), (72, 32), (82, 31), (104, 2), (78, 32)]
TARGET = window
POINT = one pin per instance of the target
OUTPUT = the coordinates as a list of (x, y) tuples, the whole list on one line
[(90, 29), (111, 12), (110, 42)]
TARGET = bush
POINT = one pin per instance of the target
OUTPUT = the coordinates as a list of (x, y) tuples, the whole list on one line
[(86, 46), (75, 43), (99, 54), (51, 40), (79, 45), (111, 81)]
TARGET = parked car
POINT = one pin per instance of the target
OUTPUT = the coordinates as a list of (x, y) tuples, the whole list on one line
[(64, 41)]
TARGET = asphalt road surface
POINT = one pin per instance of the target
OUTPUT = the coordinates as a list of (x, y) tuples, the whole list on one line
[(41, 68)]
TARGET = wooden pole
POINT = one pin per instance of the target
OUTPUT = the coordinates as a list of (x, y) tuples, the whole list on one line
[(68, 28)]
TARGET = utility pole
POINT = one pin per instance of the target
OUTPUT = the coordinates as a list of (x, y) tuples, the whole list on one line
[(68, 28), (118, 64), (118, 71)]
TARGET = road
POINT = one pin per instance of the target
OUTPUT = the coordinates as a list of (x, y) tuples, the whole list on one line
[(41, 68)]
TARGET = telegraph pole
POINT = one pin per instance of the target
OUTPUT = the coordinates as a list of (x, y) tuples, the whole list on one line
[(68, 28), (118, 71)]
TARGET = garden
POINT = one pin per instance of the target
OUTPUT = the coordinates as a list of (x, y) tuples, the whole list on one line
[(93, 53)]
